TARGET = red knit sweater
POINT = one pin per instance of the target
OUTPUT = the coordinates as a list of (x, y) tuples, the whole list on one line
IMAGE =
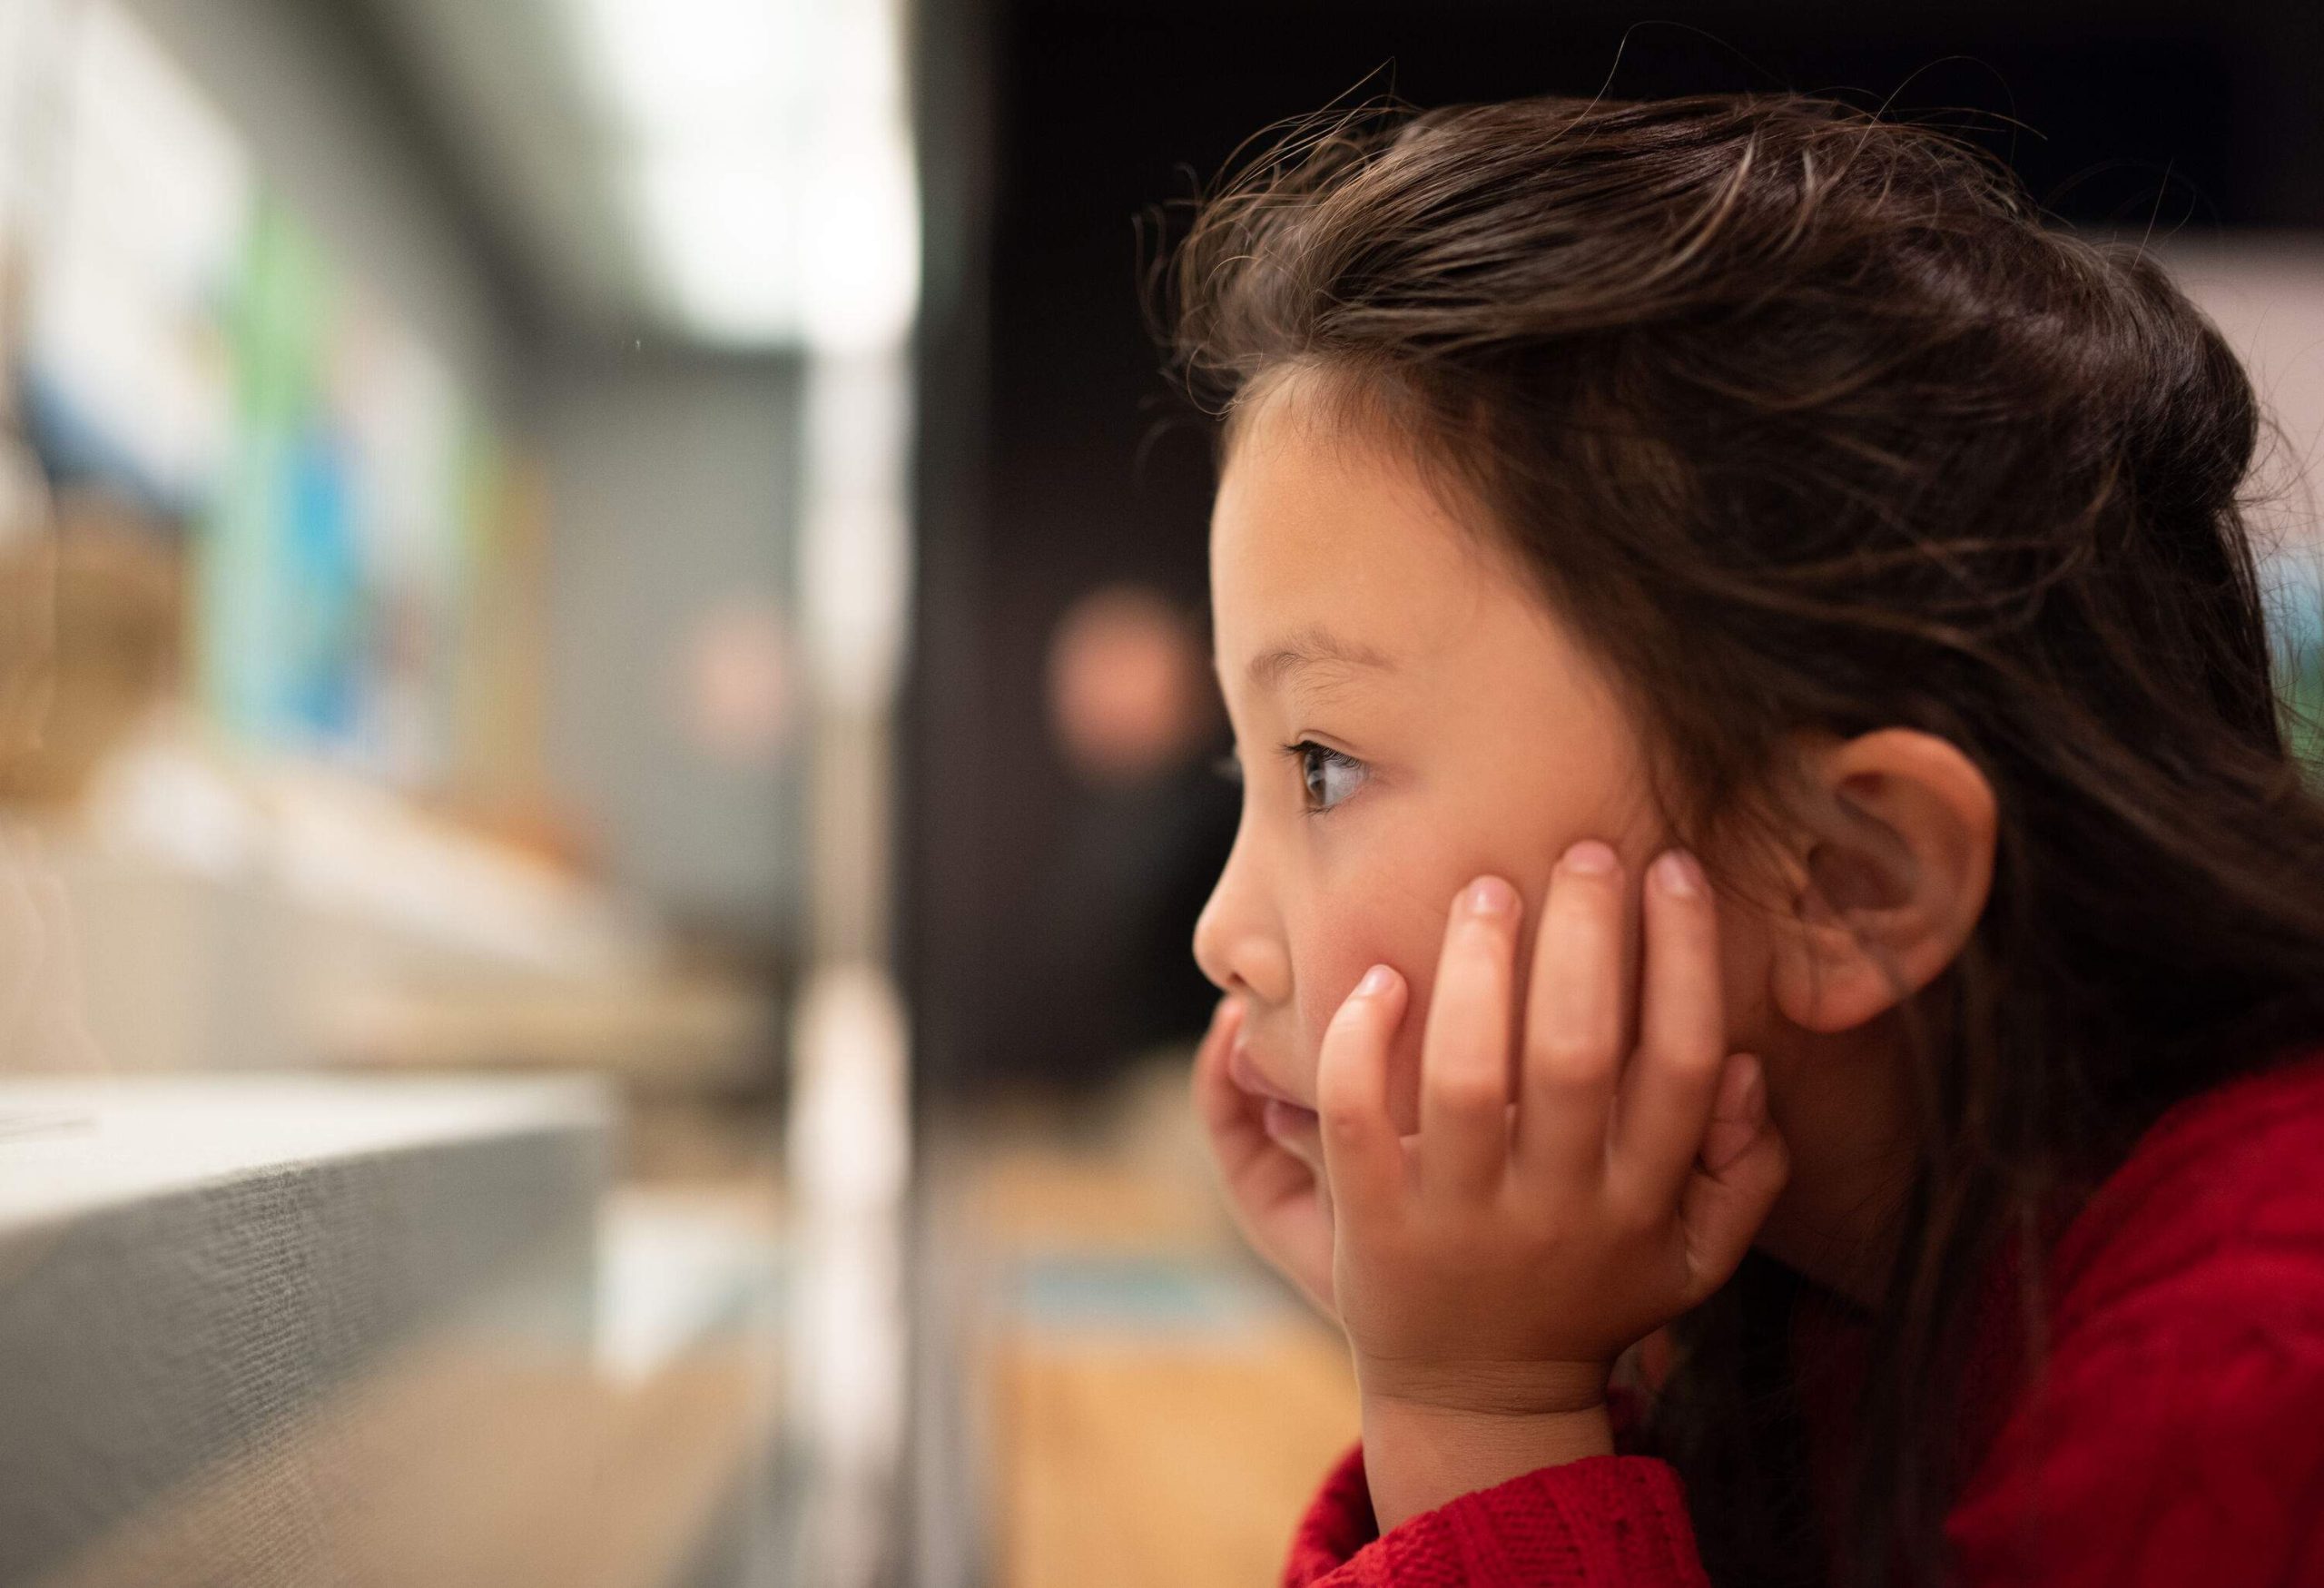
[(2176, 1437)]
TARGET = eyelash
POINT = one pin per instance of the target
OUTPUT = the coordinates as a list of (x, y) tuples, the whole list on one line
[(1299, 750), (1229, 768)]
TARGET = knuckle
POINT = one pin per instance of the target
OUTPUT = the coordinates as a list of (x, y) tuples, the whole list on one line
[(1572, 1052), (1684, 1061), (1631, 1216), (1467, 1091), (1344, 1117), (1640, 1214)]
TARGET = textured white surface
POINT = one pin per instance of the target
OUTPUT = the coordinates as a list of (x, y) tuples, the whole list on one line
[(232, 1309), (69, 1145)]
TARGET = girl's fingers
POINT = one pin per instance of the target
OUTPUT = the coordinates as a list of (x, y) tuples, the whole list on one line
[(1362, 1153), (1735, 1180), (1668, 1086), (1464, 1055), (1573, 1021)]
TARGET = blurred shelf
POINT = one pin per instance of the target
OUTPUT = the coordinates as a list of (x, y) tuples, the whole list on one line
[(216, 911), (226, 1305), (278, 1332)]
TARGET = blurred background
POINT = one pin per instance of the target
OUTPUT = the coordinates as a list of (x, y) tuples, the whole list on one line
[(605, 744)]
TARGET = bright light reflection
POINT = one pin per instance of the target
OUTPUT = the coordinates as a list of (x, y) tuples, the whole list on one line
[(723, 243), (859, 268), (678, 68), (765, 155)]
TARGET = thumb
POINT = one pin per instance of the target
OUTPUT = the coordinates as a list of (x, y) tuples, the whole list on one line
[(1740, 1172)]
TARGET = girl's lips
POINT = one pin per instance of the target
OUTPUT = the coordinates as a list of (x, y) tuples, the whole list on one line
[(1288, 1122), (1283, 1117), (1244, 1072)]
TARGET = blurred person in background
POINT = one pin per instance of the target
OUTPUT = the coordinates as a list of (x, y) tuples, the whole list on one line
[(1133, 714)]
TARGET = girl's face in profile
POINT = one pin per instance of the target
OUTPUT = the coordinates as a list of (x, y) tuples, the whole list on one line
[(1409, 714)]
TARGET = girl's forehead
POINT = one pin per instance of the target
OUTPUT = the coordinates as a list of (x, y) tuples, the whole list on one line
[(1312, 527), (1329, 547)]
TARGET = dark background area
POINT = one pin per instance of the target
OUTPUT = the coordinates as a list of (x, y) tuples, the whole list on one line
[(1064, 136)]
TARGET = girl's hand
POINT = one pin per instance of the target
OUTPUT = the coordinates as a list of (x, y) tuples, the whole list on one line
[(1273, 1194), (1490, 1269)]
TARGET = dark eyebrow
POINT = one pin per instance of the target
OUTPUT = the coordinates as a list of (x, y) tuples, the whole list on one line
[(1307, 648)]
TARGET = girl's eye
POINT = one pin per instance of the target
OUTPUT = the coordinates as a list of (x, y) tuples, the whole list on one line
[(1329, 776)]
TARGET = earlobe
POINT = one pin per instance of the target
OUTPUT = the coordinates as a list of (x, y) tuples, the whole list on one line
[(1887, 878)]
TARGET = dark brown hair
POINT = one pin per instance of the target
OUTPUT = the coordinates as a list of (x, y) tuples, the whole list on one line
[(1807, 421)]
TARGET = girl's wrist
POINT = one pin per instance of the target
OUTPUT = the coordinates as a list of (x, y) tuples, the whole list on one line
[(1483, 1388), (1420, 1454)]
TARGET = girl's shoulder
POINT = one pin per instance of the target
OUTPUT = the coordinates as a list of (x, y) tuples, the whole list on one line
[(2220, 1207), (2172, 1431)]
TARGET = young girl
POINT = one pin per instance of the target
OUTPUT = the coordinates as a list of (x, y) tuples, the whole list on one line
[(1774, 958)]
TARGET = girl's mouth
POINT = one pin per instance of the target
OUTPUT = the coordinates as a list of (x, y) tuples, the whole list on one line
[(1288, 1122), (1282, 1120), (1244, 1071)]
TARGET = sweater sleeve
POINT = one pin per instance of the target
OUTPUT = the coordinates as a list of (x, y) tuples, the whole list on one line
[(2183, 1444), (1606, 1520)]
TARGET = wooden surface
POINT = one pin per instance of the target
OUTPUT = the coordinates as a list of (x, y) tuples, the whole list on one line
[(1134, 1462), (563, 1481), (1160, 1409)]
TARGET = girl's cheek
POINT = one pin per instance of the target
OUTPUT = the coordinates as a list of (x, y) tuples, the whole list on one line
[(1331, 990)]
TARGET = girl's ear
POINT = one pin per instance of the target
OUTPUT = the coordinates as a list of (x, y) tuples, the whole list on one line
[(1887, 879)]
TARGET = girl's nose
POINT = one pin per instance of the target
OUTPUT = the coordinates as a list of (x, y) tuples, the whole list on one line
[(1238, 940)]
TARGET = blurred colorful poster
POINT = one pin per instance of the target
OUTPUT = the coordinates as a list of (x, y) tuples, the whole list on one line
[(188, 342), (334, 561), (402, 414), (281, 583)]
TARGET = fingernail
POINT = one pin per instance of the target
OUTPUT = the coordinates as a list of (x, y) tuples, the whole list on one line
[(1590, 858), (1492, 896), (1375, 981), (1679, 874)]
